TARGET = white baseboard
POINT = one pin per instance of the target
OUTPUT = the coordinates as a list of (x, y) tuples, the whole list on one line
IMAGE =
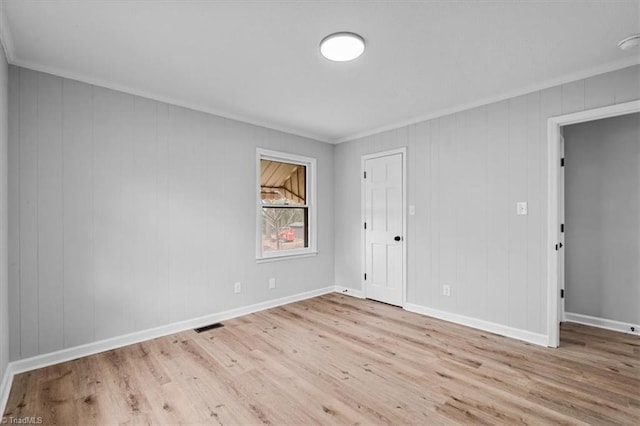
[(5, 388), (503, 330), (350, 291), (69, 354), (608, 324)]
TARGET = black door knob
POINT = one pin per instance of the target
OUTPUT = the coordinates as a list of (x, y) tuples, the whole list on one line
[(397, 238)]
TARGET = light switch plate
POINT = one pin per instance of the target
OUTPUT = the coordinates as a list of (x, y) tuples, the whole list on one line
[(521, 208)]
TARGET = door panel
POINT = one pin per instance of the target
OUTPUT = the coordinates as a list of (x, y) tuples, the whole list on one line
[(384, 256), (379, 267)]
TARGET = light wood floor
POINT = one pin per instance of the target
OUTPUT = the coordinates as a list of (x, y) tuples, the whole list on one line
[(337, 360)]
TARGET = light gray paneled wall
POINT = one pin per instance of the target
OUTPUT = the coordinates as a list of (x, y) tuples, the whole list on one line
[(602, 217), (127, 214), (466, 171), (4, 288)]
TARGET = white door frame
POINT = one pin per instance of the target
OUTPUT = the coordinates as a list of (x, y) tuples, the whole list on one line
[(561, 237), (363, 240), (554, 125)]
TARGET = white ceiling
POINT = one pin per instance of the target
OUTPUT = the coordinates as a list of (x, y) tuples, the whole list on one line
[(259, 61)]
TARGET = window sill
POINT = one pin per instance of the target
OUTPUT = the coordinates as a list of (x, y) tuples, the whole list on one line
[(285, 257)]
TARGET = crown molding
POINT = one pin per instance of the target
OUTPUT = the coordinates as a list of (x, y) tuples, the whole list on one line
[(165, 99), (567, 78), (6, 41)]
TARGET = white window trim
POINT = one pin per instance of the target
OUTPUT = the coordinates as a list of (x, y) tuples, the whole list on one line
[(310, 163)]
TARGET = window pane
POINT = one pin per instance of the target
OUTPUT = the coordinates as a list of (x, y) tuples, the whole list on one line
[(283, 183), (284, 228)]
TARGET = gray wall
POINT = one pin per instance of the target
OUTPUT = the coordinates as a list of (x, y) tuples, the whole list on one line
[(466, 171), (126, 214), (602, 236), (4, 295)]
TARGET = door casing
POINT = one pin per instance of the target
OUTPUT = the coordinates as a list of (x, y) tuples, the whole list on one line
[(555, 265)]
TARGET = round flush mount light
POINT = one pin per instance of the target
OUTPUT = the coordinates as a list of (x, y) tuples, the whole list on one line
[(342, 46), (629, 42)]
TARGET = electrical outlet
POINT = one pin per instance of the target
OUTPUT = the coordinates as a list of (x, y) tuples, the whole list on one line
[(272, 283), (521, 208), (446, 290), (237, 287)]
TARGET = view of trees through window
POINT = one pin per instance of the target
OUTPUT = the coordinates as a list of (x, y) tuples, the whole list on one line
[(285, 214)]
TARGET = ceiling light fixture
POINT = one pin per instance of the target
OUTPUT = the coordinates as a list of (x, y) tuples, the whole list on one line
[(342, 46), (629, 42)]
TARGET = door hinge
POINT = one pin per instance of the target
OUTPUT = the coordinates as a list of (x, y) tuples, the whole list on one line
[(562, 162), (562, 227), (562, 293), (365, 225), (365, 175), (365, 277)]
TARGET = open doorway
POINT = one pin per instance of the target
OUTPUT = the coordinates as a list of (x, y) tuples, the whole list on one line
[(601, 217), (556, 235)]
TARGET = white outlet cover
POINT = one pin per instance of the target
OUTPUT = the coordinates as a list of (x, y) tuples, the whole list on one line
[(237, 287), (272, 283), (521, 208), (412, 210)]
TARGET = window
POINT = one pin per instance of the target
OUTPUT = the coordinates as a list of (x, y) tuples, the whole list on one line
[(286, 214)]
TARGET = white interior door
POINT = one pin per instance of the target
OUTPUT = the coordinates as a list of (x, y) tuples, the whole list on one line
[(384, 228)]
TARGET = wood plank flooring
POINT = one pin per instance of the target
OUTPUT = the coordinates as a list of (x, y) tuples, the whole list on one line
[(340, 360)]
